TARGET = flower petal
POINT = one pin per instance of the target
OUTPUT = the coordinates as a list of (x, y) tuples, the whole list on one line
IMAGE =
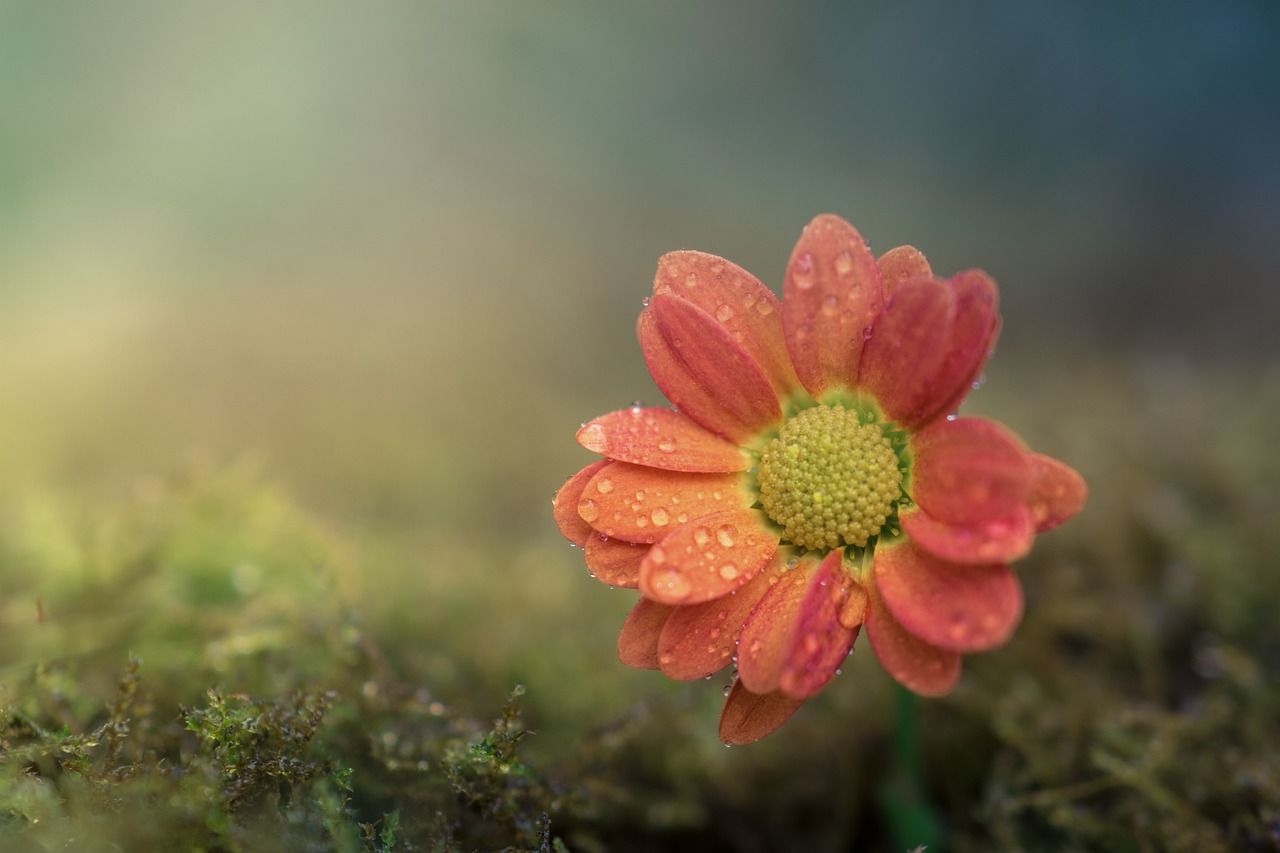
[(1057, 492), (564, 507), (818, 643), (638, 640), (615, 561), (747, 717), (708, 557), (961, 608), (641, 504), (913, 663), (736, 298), (700, 639), (991, 540), (660, 438), (928, 345), (831, 294), (762, 648), (968, 470), (703, 371), (900, 265)]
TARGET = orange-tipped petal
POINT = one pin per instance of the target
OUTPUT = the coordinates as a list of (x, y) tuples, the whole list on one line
[(854, 611), (831, 294), (704, 371), (928, 345), (762, 649), (615, 561), (990, 540), (641, 504), (972, 340), (737, 299), (901, 265), (564, 508), (638, 640), (708, 557), (747, 717), (961, 608), (818, 642), (913, 663), (1057, 492), (660, 438), (968, 470), (700, 639)]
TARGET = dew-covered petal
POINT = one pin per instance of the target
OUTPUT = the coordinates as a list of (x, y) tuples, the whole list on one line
[(762, 648), (968, 470), (818, 642), (564, 508), (1057, 492), (916, 665), (660, 438), (961, 608), (737, 299), (973, 338), (831, 294), (638, 640), (642, 504), (929, 344), (700, 639), (615, 561), (991, 540), (710, 556), (901, 265), (703, 371), (747, 717)]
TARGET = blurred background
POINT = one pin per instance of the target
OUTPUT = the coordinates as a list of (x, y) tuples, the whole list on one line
[(389, 256)]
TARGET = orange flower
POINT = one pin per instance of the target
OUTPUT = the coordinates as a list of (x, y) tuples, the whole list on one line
[(812, 478)]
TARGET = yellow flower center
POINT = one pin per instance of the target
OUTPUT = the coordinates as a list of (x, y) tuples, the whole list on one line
[(829, 479)]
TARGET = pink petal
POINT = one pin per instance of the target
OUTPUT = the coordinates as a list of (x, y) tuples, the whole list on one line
[(638, 641), (968, 470), (901, 265), (991, 540), (762, 648), (745, 307), (641, 504), (708, 557), (660, 438), (929, 344), (1057, 492), (913, 663), (703, 371), (831, 294), (747, 717), (961, 608), (700, 639), (564, 507), (615, 561), (818, 642)]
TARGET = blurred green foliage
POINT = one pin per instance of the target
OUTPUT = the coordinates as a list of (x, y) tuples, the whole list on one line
[(204, 665)]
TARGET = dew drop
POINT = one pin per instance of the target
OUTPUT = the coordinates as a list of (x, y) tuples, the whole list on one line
[(701, 536), (588, 510), (594, 438), (829, 305), (667, 445), (641, 521), (724, 313), (645, 302), (666, 658), (802, 271), (659, 517), (763, 308), (725, 534), (691, 280), (673, 584), (728, 571), (604, 485), (844, 263)]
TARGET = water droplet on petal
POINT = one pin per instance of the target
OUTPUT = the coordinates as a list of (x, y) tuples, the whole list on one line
[(724, 313), (659, 517), (725, 534), (645, 302), (728, 571), (588, 510), (701, 536), (844, 263), (667, 445), (604, 485), (673, 585)]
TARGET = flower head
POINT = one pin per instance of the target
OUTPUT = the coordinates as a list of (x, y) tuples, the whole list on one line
[(812, 478)]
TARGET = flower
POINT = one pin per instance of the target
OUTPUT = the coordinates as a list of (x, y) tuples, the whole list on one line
[(812, 479)]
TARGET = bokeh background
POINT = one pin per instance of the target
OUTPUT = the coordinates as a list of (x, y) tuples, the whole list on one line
[(386, 257)]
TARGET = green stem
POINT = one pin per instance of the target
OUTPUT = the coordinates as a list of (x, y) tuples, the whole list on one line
[(913, 821)]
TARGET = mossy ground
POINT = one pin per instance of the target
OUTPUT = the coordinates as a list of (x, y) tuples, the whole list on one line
[(202, 663)]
